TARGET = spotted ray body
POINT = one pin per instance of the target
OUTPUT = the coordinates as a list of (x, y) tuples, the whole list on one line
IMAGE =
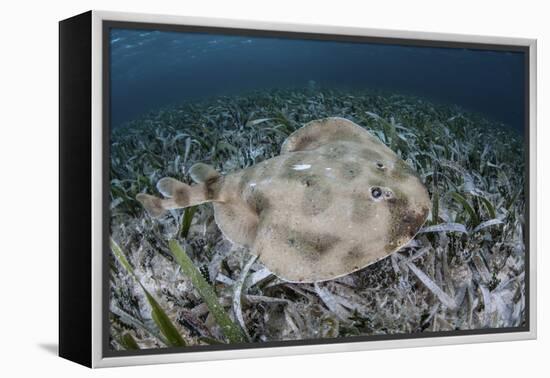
[(334, 201)]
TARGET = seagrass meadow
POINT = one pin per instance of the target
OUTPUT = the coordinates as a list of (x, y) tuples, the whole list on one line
[(176, 281)]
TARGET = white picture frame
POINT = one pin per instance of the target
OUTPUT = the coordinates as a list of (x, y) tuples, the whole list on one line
[(98, 357)]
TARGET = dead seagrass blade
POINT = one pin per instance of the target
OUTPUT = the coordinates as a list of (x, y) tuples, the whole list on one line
[(335, 201)]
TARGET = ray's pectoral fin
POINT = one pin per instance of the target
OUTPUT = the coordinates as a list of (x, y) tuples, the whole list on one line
[(239, 214), (237, 222), (323, 131), (180, 195)]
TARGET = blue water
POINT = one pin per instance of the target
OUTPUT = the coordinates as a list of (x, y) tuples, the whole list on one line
[(153, 69)]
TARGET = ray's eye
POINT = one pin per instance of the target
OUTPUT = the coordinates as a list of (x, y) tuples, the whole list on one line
[(379, 165), (376, 192)]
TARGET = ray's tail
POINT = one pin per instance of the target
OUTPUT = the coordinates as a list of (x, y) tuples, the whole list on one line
[(178, 195)]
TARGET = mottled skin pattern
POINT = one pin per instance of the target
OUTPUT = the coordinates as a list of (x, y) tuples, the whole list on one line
[(334, 201)]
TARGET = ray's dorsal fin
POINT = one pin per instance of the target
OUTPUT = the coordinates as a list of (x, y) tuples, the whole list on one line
[(319, 132), (179, 195), (171, 188), (201, 172)]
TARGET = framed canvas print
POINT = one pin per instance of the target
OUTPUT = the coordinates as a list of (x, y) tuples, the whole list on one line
[(233, 189)]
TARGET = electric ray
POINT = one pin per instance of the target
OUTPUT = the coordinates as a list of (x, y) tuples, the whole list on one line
[(334, 201)]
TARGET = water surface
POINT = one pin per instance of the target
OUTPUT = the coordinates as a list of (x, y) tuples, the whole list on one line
[(153, 69)]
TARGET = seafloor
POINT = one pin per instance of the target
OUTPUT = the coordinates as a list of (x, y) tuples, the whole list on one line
[(464, 271)]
